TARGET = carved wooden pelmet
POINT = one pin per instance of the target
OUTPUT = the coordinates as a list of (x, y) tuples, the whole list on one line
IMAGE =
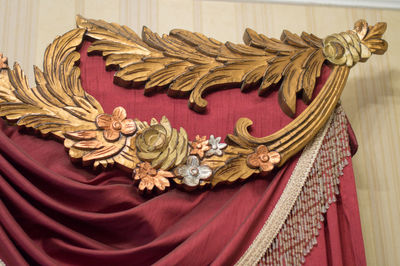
[(185, 64)]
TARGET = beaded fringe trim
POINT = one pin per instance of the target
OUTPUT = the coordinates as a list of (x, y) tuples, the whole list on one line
[(290, 231)]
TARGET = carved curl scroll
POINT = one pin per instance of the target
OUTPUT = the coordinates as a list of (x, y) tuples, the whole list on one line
[(355, 45)]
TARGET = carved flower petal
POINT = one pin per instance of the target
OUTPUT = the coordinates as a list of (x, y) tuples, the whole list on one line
[(142, 185), (262, 149), (222, 146), (210, 153), (161, 182), (192, 161), (190, 180), (140, 173), (165, 173), (136, 175), (200, 139), (182, 170), (204, 172), (103, 121), (274, 157), (266, 167), (213, 152), (200, 153), (146, 166), (212, 140), (111, 135), (146, 182), (119, 113), (193, 144), (205, 145), (253, 161), (164, 182), (157, 183), (128, 127), (196, 151)]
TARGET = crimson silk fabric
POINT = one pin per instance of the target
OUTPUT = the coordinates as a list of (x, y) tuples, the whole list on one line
[(54, 212)]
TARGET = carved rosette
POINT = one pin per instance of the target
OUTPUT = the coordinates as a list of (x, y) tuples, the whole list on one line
[(161, 145), (263, 159), (110, 143), (183, 63)]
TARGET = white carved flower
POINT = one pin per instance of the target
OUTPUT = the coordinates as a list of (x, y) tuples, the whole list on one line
[(192, 172), (215, 147)]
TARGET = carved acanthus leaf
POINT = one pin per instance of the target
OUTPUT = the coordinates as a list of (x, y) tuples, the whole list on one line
[(190, 63), (58, 103), (373, 38)]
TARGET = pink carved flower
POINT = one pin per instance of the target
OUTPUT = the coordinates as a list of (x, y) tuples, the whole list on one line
[(150, 177), (115, 124), (199, 146), (263, 159)]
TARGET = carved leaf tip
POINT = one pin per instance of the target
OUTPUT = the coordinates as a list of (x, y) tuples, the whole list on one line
[(373, 38), (3, 61), (79, 20), (361, 28)]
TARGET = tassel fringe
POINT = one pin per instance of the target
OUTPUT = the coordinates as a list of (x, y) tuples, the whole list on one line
[(298, 234)]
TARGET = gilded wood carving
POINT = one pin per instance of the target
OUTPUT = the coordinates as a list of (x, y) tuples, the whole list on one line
[(185, 64)]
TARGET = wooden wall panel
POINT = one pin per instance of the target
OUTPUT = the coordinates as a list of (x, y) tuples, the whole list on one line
[(371, 97)]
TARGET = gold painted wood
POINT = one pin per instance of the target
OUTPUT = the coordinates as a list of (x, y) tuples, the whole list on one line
[(371, 98), (190, 63), (58, 103), (156, 153), (292, 138)]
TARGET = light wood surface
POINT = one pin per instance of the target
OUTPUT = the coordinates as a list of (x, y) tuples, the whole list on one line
[(371, 97)]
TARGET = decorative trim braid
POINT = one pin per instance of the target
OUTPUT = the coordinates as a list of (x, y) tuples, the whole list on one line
[(183, 63), (300, 230), (290, 231)]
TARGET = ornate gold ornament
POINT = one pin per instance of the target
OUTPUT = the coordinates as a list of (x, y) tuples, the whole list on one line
[(185, 64)]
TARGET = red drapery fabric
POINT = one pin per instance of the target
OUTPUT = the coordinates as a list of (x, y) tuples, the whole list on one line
[(54, 212)]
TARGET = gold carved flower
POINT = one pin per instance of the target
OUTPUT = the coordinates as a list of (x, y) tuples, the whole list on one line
[(263, 159), (115, 124), (150, 177), (199, 146)]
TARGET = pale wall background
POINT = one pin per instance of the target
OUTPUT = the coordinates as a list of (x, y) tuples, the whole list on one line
[(371, 97)]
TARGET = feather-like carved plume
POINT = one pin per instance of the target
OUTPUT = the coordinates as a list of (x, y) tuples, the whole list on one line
[(58, 103), (189, 63)]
